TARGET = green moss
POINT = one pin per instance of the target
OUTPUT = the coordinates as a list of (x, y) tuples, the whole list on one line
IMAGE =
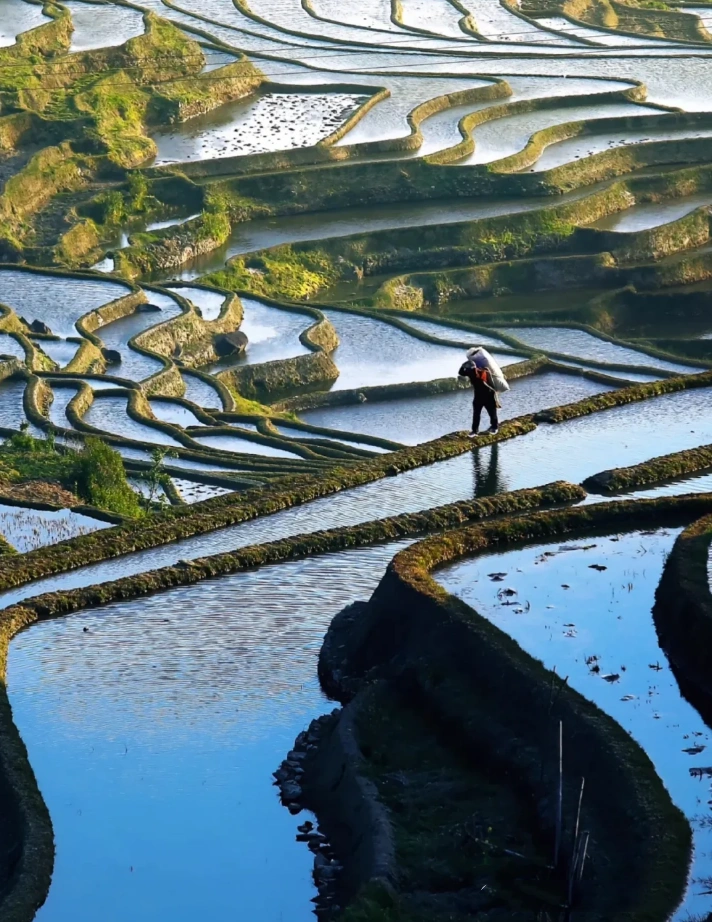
[(286, 273), (432, 791)]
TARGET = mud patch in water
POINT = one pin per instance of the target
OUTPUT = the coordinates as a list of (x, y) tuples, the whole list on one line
[(275, 121)]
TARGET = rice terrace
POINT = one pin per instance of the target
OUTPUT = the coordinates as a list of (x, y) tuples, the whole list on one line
[(355, 460)]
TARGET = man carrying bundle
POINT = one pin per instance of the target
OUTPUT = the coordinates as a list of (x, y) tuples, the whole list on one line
[(487, 380)]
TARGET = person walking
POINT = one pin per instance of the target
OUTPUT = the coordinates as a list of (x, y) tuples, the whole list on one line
[(485, 396)]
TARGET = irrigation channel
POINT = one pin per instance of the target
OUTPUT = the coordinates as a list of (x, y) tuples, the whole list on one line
[(247, 247)]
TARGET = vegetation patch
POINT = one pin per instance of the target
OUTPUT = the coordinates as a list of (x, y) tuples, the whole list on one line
[(95, 475)]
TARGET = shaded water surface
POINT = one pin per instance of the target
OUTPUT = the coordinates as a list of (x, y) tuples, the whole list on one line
[(596, 627), (156, 763)]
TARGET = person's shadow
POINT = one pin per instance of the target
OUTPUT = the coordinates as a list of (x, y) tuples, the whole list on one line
[(488, 477)]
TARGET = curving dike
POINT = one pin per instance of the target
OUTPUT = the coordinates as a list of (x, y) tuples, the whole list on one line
[(246, 245)]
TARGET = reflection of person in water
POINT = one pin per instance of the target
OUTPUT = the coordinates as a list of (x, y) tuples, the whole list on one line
[(488, 477)]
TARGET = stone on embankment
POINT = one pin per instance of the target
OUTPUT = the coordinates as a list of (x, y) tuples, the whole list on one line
[(111, 356), (231, 343)]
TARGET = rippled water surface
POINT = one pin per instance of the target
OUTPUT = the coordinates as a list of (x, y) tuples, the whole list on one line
[(194, 492), (10, 346), (420, 419), (565, 612), (16, 16), (587, 346), (273, 122), (614, 438), (372, 352), (57, 301), (177, 737), (12, 414), (99, 26), (28, 529)]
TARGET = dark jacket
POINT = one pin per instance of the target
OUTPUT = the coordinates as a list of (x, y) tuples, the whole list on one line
[(480, 379)]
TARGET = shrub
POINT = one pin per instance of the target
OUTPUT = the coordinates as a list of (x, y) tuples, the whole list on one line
[(101, 479)]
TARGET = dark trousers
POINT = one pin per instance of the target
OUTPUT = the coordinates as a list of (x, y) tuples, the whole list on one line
[(484, 399)]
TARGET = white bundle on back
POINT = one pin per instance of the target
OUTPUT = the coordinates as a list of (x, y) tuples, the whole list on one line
[(483, 359)]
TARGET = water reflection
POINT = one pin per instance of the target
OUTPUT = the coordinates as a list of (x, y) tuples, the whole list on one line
[(595, 625), (489, 478), (153, 728)]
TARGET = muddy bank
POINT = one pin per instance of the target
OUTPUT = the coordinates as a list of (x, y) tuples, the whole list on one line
[(459, 664)]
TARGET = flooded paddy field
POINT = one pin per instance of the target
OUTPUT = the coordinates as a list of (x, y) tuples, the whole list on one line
[(617, 438), (200, 391), (373, 352), (441, 17), (271, 333), (108, 414), (193, 492), (573, 450), (116, 335), (29, 529), (169, 713), (234, 443), (585, 608), (209, 303), (174, 413), (186, 726), (415, 419), (61, 351), (17, 16), (102, 26), (586, 346), (11, 347), (652, 214), (12, 414), (277, 121), (576, 148), (502, 137), (54, 300)]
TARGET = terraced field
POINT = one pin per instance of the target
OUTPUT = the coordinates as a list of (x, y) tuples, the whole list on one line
[(244, 248)]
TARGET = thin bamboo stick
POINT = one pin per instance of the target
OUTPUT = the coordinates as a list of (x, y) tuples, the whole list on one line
[(557, 839)]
